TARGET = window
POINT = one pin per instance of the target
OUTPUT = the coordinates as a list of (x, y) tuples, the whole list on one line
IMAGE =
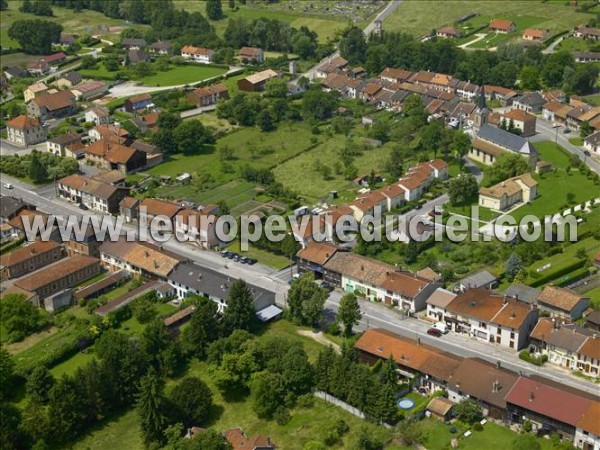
[(512, 334), (512, 344), (499, 330)]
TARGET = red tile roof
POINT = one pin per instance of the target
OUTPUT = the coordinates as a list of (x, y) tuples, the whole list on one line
[(549, 401), (23, 122), (500, 24)]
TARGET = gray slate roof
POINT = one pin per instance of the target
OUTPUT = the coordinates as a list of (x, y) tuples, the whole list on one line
[(532, 99), (215, 284), (523, 293), (593, 139), (479, 279), (505, 139), (567, 338)]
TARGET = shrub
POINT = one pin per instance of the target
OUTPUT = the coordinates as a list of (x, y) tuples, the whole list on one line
[(478, 427), (282, 416), (527, 426)]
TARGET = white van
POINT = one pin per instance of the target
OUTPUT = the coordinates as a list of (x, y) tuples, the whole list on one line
[(441, 326)]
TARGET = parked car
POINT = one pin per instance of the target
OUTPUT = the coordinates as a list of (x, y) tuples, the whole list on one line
[(326, 285), (566, 131), (434, 332), (251, 261), (230, 255), (83, 207), (225, 253), (8, 186), (587, 153)]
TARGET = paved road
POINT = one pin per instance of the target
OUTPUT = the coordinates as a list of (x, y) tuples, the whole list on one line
[(374, 315), (378, 316), (389, 8), (551, 47), (547, 133)]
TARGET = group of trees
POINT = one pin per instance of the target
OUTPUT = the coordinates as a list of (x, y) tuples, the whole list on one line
[(371, 391), (177, 136), (20, 317), (510, 63), (462, 189), (35, 36), (507, 165), (306, 300), (39, 167), (273, 34), (37, 7)]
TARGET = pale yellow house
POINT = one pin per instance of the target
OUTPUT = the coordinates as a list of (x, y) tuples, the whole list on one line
[(33, 91), (508, 193)]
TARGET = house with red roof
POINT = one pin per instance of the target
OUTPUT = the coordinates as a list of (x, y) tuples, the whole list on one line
[(197, 54), (502, 26), (24, 131), (55, 58), (550, 407)]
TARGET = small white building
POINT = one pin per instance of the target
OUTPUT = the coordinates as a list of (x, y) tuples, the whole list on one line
[(98, 116), (592, 143), (197, 54)]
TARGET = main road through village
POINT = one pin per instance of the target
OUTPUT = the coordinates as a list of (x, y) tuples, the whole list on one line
[(374, 314)]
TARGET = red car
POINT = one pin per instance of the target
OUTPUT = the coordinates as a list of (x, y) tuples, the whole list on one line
[(434, 332)]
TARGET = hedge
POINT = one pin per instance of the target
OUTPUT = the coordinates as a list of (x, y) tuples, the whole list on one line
[(535, 360), (557, 274)]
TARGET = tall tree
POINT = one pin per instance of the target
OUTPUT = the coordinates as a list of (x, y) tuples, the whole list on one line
[(349, 312), (353, 46), (39, 383), (11, 436), (214, 9), (37, 171), (159, 347), (306, 300), (203, 328), (192, 400), (191, 136), (513, 265), (7, 371), (150, 406), (65, 409), (240, 312), (461, 143), (268, 393), (462, 189)]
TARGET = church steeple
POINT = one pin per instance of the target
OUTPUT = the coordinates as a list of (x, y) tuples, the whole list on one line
[(481, 112)]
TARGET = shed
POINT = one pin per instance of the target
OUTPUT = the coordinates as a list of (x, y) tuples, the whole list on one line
[(440, 408)]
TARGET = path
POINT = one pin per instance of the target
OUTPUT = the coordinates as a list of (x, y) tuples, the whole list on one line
[(320, 338), (479, 37), (551, 47)]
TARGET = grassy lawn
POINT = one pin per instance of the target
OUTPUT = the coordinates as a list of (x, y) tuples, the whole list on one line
[(553, 187), (186, 74), (70, 366), (15, 59), (593, 99), (576, 141), (594, 296), (270, 259), (85, 21), (210, 119), (300, 174), (572, 44), (485, 214), (119, 431), (99, 73), (419, 17), (561, 260)]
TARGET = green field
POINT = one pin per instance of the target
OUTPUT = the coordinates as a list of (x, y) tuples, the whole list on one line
[(300, 174), (85, 21), (571, 44), (554, 186), (99, 74), (419, 17), (594, 296), (187, 74), (561, 260)]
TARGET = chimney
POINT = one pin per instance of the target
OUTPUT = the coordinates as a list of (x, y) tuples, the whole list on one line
[(146, 254), (498, 364), (156, 264), (418, 341), (531, 396)]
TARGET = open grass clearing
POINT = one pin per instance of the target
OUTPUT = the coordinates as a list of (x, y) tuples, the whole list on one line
[(185, 74), (270, 259), (419, 17), (301, 174)]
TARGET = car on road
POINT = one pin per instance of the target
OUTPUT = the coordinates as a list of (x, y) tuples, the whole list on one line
[(587, 153), (230, 255), (434, 332), (566, 131), (225, 253), (325, 285), (556, 125), (83, 207), (8, 185), (251, 261)]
